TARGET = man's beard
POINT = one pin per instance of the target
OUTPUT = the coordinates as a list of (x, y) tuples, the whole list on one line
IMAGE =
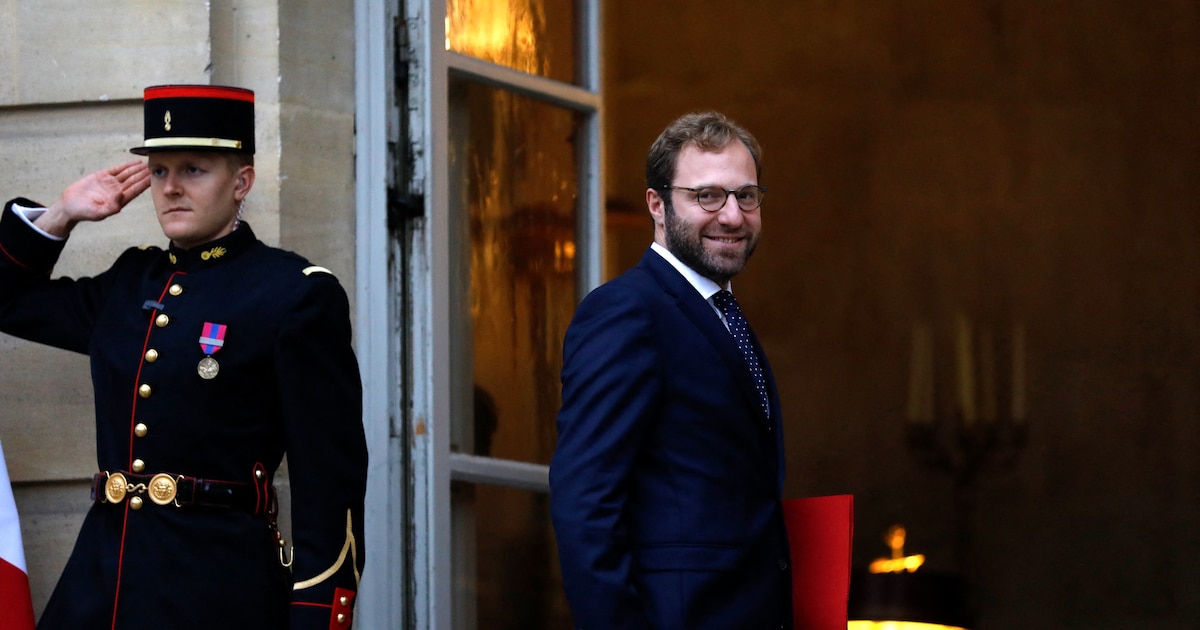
[(688, 247)]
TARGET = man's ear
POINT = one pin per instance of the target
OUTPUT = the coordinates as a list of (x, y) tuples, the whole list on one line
[(243, 182), (657, 206)]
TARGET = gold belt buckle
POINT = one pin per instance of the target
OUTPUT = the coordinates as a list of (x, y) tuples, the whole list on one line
[(163, 488), (115, 488)]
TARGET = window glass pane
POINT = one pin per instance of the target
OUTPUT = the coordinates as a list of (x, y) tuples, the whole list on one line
[(533, 36), (506, 573), (514, 161)]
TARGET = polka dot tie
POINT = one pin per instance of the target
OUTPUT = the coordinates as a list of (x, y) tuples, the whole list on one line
[(741, 334)]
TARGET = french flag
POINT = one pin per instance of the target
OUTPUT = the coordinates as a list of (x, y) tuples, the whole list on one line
[(16, 606)]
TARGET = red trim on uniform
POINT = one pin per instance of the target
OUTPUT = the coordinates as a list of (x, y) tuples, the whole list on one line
[(120, 563), (129, 466), (262, 498), (346, 610), (12, 258), (198, 91), (138, 377), (336, 608)]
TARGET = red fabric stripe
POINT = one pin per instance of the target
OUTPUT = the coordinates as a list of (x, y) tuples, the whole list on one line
[(132, 422), (138, 378), (260, 500), (10, 257), (17, 611), (199, 91), (120, 563), (312, 605)]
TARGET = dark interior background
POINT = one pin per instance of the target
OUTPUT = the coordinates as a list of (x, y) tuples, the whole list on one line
[(967, 169)]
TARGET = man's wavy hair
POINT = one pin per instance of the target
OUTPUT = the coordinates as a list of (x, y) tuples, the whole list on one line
[(707, 131)]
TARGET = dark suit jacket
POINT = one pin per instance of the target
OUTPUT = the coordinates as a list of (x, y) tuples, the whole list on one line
[(666, 481)]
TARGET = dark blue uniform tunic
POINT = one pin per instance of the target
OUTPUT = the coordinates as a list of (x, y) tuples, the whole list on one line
[(288, 382)]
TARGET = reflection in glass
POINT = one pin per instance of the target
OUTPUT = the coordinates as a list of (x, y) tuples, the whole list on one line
[(514, 168), (506, 573), (533, 36)]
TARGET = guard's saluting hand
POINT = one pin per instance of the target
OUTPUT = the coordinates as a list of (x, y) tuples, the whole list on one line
[(96, 197)]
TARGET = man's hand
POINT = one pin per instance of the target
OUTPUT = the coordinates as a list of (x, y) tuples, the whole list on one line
[(95, 197)]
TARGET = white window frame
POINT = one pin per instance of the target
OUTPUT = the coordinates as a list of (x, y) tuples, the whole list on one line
[(406, 317)]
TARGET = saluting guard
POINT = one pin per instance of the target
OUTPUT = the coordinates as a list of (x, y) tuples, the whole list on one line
[(211, 359)]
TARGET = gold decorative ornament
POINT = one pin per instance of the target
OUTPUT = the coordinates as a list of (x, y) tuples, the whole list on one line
[(349, 548), (215, 252), (167, 121), (116, 488), (163, 489)]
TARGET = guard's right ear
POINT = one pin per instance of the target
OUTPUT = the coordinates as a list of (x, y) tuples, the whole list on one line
[(244, 182)]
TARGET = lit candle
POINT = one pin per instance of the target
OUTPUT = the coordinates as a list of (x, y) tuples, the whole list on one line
[(1018, 373), (987, 369), (920, 376), (966, 370)]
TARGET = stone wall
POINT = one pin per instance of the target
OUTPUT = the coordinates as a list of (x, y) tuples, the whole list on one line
[(70, 103)]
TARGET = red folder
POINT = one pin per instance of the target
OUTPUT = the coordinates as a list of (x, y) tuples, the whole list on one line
[(820, 530)]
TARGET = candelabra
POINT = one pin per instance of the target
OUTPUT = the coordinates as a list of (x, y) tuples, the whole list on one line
[(975, 421)]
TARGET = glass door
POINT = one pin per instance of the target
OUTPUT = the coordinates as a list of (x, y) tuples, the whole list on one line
[(504, 115)]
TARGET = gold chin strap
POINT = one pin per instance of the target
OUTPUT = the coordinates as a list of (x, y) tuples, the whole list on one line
[(350, 547)]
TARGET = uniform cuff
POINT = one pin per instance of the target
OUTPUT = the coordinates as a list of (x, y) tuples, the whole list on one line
[(22, 243)]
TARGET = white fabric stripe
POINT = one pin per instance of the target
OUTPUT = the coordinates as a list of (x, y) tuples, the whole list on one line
[(11, 549)]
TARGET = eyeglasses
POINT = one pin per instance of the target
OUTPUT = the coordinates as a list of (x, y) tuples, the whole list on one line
[(713, 198)]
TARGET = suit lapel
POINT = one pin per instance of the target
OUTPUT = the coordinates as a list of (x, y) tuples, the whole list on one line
[(701, 314)]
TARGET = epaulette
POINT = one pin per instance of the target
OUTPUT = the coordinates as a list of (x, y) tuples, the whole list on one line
[(308, 271), (148, 247)]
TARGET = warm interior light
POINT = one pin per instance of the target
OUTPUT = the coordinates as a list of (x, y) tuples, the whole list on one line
[(503, 32), (898, 563), (891, 595), (897, 625)]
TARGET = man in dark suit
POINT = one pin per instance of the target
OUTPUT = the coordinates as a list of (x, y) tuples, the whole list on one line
[(667, 478)]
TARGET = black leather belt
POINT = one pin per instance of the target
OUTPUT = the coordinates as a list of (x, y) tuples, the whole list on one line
[(182, 491)]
